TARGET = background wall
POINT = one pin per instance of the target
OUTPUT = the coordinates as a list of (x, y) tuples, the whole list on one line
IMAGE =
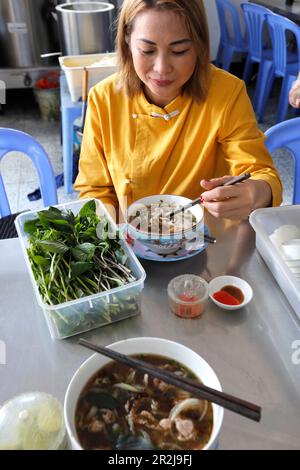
[(213, 23)]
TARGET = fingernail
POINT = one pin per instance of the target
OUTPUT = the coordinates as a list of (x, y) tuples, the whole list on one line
[(201, 199)]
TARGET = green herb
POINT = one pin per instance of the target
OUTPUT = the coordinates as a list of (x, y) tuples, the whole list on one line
[(69, 261)]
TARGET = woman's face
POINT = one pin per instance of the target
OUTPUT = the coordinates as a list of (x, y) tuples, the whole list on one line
[(163, 54)]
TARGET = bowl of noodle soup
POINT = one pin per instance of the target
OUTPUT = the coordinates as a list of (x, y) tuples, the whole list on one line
[(149, 221), (109, 406)]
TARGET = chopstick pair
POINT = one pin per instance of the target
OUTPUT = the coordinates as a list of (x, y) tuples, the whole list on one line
[(231, 182), (242, 407)]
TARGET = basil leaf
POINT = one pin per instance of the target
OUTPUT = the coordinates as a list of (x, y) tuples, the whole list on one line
[(79, 268), (101, 399), (53, 247), (89, 209)]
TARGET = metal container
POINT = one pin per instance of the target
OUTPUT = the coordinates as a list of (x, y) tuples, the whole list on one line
[(25, 32), (85, 27)]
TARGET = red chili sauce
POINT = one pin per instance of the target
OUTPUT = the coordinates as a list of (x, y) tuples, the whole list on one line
[(229, 295)]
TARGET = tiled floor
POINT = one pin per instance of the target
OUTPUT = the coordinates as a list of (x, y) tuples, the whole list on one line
[(21, 112)]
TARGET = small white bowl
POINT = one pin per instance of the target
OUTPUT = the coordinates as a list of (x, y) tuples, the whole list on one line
[(295, 270), (216, 284), (285, 233), (293, 263), (291, 249)]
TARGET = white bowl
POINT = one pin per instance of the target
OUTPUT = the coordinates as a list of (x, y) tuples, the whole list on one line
[(295, 270), (291, 249), (284, 233), (165, 243), (160, 346), (293, 263), (216, 284)]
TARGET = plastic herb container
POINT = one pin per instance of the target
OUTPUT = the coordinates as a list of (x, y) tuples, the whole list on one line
[(93, 311)]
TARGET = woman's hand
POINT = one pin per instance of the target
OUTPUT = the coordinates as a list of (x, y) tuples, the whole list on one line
[(294, 95), (235, 202)]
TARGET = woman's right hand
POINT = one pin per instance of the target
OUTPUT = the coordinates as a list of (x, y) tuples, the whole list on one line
[(294, 95)]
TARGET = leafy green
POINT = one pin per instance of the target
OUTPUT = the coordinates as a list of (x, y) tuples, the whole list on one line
[(69, 261), (101, 399)]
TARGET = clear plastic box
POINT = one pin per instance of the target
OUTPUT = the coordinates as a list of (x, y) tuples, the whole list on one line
[(265, 222), (70, 318), (99, 67)]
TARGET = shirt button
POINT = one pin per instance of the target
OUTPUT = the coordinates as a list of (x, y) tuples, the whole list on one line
[(134, 116), (127, 181)]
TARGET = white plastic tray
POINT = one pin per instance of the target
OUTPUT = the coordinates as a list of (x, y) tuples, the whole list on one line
[(265, 222), (99, 67)]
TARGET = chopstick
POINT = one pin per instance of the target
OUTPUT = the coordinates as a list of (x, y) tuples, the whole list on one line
[(209, 239), (231, 182), (84, 96), (242, 407)]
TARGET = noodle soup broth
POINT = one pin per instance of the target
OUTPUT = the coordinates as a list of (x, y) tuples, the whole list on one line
[(121, 407), (110, 406)]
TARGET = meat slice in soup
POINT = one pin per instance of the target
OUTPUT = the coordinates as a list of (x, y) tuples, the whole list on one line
[(155, 218), (122, 408)]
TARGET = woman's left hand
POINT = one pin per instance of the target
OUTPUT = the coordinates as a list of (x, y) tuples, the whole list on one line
[(235, 202)]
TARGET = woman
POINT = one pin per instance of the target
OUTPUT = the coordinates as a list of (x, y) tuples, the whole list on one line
[(294, 96), (170, 121)]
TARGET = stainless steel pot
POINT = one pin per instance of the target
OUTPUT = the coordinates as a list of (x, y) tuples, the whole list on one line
[(25, 32), (85, 27)]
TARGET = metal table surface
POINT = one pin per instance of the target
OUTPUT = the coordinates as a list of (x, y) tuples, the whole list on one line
[(251, 350), (280, 7)]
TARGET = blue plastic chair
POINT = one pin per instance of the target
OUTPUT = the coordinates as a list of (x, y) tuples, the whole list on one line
[(255, 20), (230, 41), (287, 135), (283, 65), (13, 140)]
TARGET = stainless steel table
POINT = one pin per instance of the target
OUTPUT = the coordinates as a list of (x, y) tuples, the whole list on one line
[(250, 350)]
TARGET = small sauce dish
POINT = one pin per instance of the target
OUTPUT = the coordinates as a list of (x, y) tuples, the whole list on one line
[(234, 286)]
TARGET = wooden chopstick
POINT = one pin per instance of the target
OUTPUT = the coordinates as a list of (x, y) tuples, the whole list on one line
[(231, 182), (242, 407)]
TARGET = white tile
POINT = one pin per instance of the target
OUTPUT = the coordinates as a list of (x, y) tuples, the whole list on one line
[(10, 167), (12, 192), (23, 201)]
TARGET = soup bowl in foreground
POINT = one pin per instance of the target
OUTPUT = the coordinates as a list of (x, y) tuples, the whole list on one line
[(176, 233), (154, 346)]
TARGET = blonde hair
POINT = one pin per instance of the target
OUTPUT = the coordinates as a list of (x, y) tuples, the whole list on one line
[(194, 16)]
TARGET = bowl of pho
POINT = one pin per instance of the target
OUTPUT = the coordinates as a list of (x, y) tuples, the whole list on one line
[(111, 406), (150, 222)]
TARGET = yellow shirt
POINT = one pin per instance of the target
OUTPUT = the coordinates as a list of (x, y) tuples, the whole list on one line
[(128, 152)]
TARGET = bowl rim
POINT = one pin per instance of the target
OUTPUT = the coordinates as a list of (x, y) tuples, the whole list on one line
[(218, 411), (234, 280), (161, 235)]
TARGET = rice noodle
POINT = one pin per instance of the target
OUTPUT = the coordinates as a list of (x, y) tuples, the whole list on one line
[(129, 388), (189, 403)]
